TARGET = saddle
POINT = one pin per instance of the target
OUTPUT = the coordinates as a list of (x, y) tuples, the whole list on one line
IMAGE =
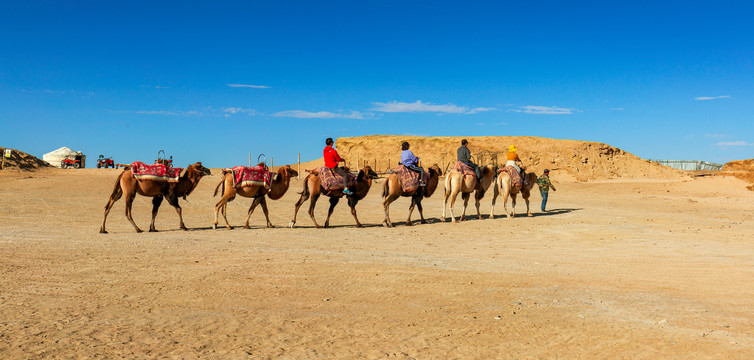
[(516, 180), (464, 169), (250, 176), (409, 178), (156, 172), (331, 180)]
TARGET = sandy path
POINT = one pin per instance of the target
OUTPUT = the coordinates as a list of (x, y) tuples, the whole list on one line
[(630, 270)]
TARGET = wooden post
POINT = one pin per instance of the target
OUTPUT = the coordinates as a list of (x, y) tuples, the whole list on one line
[(299, 166), (272, 163), (358, 164), (249, 159)]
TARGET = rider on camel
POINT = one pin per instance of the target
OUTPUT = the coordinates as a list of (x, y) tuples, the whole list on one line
[(514, 161), (410, 161), (331, 161), (464, 156)]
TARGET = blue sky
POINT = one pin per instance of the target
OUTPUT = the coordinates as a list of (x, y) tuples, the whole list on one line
[(214, 81)]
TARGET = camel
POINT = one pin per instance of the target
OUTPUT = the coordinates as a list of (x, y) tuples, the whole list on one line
[(278, 186), (456, 182), (313, 188), (127, 185), (392, 190), (505, 187)]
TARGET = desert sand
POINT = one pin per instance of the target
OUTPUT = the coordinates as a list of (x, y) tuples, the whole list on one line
[(619, 268)]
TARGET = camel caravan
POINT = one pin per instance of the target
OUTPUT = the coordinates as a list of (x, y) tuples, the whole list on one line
[(163, 181)]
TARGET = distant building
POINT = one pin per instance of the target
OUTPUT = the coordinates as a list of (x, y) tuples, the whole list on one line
[(689, 165), (65, 157)]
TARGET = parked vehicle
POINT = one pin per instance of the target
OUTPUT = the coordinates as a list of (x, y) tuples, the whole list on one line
[(70, 162), (103, 162)]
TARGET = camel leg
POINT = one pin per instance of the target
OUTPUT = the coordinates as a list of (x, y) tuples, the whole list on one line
[(421, 210), (495, 193), (352, 203), (221, 207), (254, 203), (526, 200), (445, 204), (453, 195), (411, 207), (266, 212), (312, 204), (156, 201), (386, 206), (301, 200), (513, 204), (129, 203), (477, 200), (465, 197), (173, 200), (333, 201), (113, 198), (506, 194)]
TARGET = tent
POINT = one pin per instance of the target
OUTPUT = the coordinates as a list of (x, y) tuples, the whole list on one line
[(56, 156)]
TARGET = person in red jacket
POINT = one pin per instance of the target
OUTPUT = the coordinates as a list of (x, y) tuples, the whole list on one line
[(331, 161)]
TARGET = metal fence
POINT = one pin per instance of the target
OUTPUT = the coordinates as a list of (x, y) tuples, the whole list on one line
[(689, 164)]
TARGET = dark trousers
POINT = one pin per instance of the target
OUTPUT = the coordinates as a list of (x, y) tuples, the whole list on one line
[(477, 170), (418, 169), (342, 172)]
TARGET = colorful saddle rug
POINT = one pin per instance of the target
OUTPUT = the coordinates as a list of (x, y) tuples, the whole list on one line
[(250, 176), (156, 172), (516, 180), (464, 169), (409, 178), (333, 181)]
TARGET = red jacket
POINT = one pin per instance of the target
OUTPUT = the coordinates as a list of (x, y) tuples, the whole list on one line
[(331, 157)]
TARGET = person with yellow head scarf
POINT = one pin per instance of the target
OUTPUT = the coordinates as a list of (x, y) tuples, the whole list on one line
[(514, 161)]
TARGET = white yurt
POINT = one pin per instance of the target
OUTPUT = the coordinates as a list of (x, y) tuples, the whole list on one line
[(56, 157)]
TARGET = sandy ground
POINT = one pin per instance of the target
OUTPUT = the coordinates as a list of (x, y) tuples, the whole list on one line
[(617, 270)]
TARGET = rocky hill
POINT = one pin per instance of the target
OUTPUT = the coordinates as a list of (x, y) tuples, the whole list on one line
[(742, 169), (23, 161), (567, 159)]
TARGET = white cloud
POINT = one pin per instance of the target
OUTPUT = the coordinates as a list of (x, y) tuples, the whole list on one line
[(548, 110), (480, 109), (163, 112), (418, 106), (717, 136), (735, 143), (236, 110), (248, 86), (617, 109), (301, 114), (703, 98)]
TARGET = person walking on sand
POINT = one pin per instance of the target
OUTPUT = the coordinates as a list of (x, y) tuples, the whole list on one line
[(410, 161), (544, 187), (331, 161)]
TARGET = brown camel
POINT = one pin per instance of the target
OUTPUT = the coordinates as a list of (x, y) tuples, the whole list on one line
[(278, 186), (505, 187), (392, 190), (456, 182), (127, 185), (313, 188)]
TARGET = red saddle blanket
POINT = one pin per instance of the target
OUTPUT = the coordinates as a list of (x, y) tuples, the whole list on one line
[(248, 176), (409, 179), (156, 172), (464, 169), (516, 180), (333, 181)]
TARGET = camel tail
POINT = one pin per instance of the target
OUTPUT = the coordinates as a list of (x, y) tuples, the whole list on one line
[(385, 189), (221, 184), (305, 192), (117, 190)]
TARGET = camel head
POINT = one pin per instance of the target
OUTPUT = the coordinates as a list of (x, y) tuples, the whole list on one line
[(434, 169), (201, 170), (367, 173), (286, 171)]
